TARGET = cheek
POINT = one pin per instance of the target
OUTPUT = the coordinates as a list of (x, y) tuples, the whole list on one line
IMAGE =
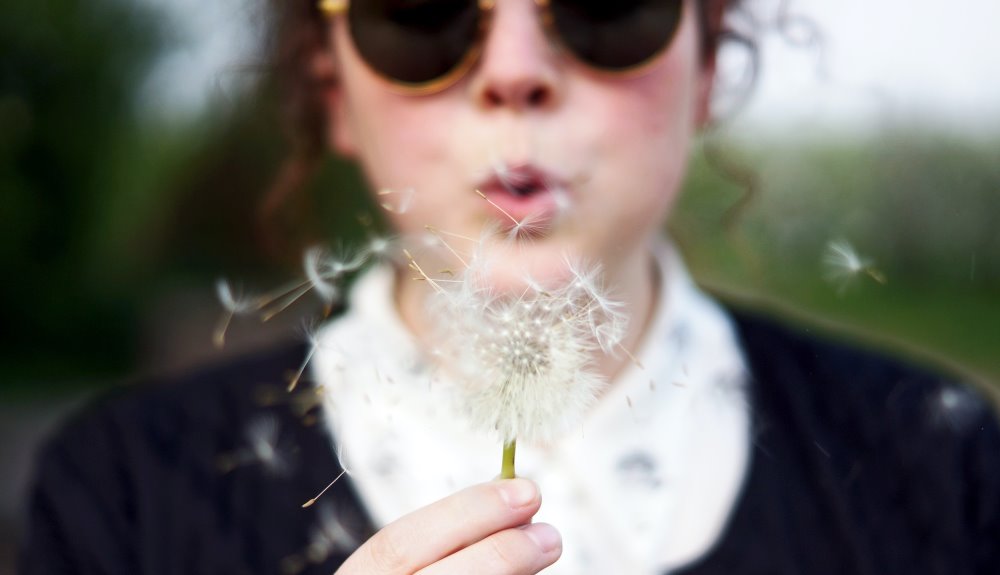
[(390, 134), (390, 138), (649, 133)]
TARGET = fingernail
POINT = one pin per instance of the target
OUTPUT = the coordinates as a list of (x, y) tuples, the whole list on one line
[(544, 535), (518, 492)]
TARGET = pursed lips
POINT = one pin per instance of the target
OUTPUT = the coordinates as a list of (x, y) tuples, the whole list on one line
[(524, 192)]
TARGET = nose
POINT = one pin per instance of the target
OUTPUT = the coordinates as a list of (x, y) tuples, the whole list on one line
[(518, 68)]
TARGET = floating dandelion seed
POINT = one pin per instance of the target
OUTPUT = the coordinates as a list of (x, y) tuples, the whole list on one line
[(843, 265), (324, 270), (525, 362), (311, 263), (232, 305), (514, 182), (378, 248), (527, 227), (954, 407), (396, 201), (344, 470), (329, 536), (264, 447), (310, 331), (301, 402), (323, 273)]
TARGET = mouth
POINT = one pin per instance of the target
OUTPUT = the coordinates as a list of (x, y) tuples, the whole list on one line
[(525, 199)]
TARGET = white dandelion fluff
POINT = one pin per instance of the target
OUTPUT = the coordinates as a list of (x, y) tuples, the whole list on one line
[(263, 446), (344, 470), (264, 442), (312, 262), (232, 305), (526, 364), (954, 407), (379, 248), (396, 201), (324, 270), (843, 265), (329, 536)]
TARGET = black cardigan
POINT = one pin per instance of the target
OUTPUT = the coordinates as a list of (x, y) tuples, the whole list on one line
[(860, 465)]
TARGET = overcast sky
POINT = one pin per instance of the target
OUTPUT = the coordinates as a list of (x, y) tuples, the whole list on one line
[(905, 59), (910, 59)]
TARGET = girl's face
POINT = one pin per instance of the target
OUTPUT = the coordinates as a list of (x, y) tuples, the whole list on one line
[(592, 161)]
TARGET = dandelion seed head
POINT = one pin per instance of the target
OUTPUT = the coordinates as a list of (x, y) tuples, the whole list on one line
[(525, 363)]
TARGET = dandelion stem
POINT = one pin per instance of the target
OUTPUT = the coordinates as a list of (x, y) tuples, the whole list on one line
[(507, 465)]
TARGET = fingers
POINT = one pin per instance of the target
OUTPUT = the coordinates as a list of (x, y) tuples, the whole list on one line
[(522, 550), (446, 526)]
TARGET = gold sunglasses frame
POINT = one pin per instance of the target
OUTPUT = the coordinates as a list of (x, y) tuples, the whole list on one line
[(334, 8)]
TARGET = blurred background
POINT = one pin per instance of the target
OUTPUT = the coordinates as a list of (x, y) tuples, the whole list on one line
[(138, 138)]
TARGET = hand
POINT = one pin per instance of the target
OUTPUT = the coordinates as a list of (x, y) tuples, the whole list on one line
[(482, 529)]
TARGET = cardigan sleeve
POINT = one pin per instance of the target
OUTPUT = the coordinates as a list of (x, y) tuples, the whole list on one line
[(133, 485), (78, 516)]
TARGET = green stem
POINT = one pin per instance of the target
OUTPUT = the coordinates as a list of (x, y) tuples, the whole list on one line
[(507, 466)]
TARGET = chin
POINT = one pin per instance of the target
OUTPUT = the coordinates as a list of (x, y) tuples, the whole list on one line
[(511, 267)]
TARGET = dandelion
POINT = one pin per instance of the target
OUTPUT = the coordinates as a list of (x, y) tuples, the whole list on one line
[(843, 265), (525, 363), (264, 447)]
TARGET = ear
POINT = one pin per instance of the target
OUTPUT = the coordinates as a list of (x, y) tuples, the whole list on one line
[(324, 73)]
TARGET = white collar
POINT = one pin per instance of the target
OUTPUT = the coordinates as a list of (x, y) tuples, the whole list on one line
[(646, 484)]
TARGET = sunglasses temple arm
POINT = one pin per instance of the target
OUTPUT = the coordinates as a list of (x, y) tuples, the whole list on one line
[(332, 7)]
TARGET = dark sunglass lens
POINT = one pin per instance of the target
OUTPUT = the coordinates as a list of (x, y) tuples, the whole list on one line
[(616, 34), (414, 41)]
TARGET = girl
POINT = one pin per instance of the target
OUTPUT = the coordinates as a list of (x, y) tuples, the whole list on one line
[(723, 444)]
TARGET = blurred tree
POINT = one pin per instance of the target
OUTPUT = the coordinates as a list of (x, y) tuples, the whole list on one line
[(68, 73)]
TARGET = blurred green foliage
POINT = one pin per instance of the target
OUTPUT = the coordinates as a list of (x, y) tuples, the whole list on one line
[(68, 71), (104, 212), (922, 205)]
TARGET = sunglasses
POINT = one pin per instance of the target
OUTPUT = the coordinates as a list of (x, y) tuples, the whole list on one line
[(424, 46)]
